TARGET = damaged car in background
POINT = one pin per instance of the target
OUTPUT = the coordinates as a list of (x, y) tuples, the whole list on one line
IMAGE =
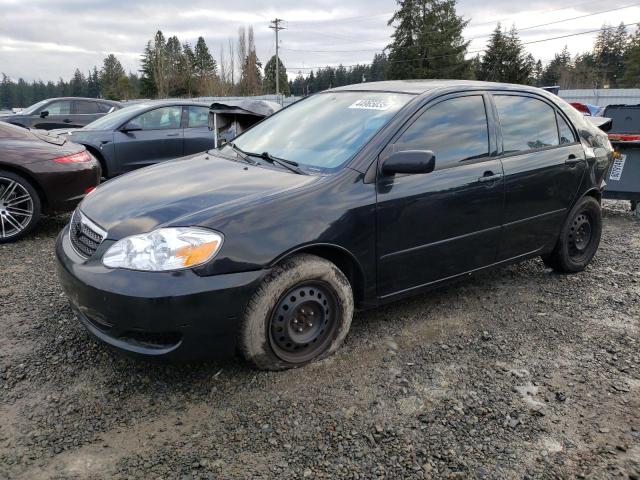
[(350, 198), (146, 133)]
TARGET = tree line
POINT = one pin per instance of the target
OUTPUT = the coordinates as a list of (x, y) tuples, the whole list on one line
[(427, 42)]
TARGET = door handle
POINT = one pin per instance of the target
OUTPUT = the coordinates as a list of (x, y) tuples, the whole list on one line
[(172, 134), (489, 177), (573, 160)]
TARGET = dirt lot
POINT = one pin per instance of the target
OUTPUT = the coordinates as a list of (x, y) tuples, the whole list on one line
[(516, 373)]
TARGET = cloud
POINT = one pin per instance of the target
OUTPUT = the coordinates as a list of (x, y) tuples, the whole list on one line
[(47, 39)]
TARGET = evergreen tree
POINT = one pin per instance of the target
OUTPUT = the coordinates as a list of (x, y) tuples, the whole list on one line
[(250, 66), (427, 41), (631, 75), (187, 68), (93, 83), (505, 59), (554, 71), (608, 51), (111, 83), (175, 83), (204, 67), (147, 78), (270, 77), (7, 93), (78, 84), (379, 67)]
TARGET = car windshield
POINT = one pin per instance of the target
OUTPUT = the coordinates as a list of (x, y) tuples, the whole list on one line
[(113, 120), (324, 131), (33, 108)]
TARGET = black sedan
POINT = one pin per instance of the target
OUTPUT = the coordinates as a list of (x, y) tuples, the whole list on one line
[(145, 133), (350, 198), (61, 113), (39, 174)]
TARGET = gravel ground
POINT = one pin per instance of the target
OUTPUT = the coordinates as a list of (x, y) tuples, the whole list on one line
[(514, 373)]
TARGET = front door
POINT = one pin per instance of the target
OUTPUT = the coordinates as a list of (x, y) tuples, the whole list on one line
[(543, 166), (158, 136), (435, 226), (57, 114), (197, 136)]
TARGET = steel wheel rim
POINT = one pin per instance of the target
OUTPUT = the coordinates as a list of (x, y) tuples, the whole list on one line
[(580, 235), (16, 208), (303, 322)]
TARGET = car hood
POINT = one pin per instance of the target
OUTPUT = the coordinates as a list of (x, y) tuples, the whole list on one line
[(180, 191)]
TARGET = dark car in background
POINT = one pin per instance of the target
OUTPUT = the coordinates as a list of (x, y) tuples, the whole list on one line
[(62, 112), (39, 174), (349, 198), (145, 133)]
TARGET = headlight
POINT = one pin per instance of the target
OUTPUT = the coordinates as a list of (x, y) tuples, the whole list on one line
[(164, 249)]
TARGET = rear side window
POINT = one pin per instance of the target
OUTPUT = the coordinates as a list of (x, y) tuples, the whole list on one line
[(85, 108), (105, 107), (566, 134), (455, 130), (198, 117), (527, 123)]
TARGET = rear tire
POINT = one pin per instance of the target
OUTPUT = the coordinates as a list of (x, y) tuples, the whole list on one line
[(300, 313), (579, 238), (20, 206)]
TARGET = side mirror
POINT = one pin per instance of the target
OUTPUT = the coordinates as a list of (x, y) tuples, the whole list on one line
[(131, 127), (409, 161), (44, 114)]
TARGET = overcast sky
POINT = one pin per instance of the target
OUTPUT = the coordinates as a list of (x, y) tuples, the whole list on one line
[(48, 39)]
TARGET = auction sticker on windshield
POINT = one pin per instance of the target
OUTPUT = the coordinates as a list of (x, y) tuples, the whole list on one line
[(617, 167), (371, 104)]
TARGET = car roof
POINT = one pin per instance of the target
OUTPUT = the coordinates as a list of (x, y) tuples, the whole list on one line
[(87, 99), (418, 87), (156, 103)]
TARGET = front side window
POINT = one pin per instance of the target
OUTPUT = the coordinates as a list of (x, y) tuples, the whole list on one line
[(62, 107), (455, 130), (325, 130), (163, 118), (198, 117), (527, 123)]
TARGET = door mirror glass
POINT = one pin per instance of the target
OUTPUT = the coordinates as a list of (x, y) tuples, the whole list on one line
[(410, 162), (44, 114)]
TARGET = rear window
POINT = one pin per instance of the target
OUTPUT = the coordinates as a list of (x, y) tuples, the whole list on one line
[(527, 123), (86, 108), (198, 117)]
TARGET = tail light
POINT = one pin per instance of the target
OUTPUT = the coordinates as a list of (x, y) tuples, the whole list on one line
[(622, 137), (80, 157), (581, 107)]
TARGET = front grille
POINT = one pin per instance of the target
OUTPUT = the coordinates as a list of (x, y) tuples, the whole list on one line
[(85, 236)]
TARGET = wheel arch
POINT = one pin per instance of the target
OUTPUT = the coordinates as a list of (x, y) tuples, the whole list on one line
[(30, 178), (100, 157), (339, 256), (595, 193)]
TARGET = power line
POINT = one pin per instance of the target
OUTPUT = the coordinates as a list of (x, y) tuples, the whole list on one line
[(531, 27), (473, 51)]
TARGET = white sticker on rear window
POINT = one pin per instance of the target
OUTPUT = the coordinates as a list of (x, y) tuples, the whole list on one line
[(617, 167), (371, 104)]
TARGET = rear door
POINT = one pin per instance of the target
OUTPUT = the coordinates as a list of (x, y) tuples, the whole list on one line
[(85, 112), (543, 166), (435, 226), (159, 138), (197, 136)]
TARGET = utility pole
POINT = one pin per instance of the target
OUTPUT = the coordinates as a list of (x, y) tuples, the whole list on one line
[(275, 25)]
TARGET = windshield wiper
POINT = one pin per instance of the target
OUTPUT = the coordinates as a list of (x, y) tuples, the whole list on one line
[(242, 154), (283, 162)]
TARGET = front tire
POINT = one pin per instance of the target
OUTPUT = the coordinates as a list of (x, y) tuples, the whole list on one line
[(20, 206), (300, 313), (579, 238)]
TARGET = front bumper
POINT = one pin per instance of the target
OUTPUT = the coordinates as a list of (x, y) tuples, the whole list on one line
[(175, 315)]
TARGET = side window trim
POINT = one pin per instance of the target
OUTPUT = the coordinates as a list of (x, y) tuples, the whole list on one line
[(556, 111), (491, 139)]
